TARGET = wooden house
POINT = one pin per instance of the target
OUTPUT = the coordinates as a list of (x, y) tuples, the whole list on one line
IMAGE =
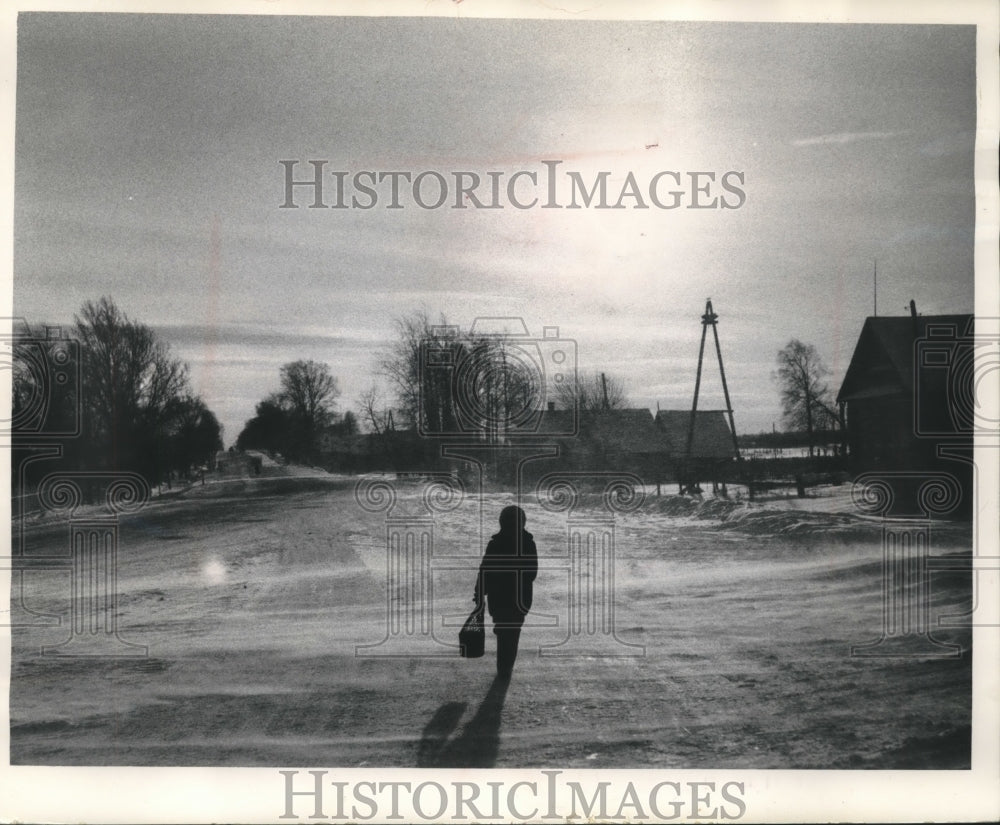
[(625, 440), (713, 454), (903, 395)]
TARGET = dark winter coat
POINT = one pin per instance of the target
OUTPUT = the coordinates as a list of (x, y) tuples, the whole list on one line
[(507, 572)]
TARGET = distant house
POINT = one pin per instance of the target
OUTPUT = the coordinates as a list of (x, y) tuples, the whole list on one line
[(633, 440), (712, 450), (903, 393), (625, 440), (345, 453)]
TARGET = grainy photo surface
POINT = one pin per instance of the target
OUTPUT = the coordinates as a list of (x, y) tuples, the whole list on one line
[(608, 402)]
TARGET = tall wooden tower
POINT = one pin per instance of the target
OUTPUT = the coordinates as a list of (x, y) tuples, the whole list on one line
[(710, 319)]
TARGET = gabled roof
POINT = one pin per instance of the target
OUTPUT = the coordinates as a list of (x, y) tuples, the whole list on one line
[(882, 363), (712, 436), (558, 422), (628, 431)]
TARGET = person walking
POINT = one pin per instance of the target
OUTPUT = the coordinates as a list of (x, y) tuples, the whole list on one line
[(506, 579)]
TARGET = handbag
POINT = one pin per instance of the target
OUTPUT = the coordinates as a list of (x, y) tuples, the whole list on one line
[(472, 636)]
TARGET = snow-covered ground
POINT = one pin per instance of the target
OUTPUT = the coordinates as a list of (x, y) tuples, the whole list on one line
[(253, 595)]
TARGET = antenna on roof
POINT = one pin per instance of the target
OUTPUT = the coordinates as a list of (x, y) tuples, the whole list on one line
[(875, 288)]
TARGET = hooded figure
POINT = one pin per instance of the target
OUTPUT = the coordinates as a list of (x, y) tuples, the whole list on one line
[(506, 578)]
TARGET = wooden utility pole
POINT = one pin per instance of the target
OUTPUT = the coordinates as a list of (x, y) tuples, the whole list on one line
[(710, 319)]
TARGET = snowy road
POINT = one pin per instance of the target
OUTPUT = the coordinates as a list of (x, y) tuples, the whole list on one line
[(252, 597)]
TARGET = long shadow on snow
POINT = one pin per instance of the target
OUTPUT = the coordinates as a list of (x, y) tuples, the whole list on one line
[(478, 743)]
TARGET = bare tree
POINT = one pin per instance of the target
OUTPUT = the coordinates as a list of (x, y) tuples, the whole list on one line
[(494, 389), (131, 409), (447, 381), (196, 434), (421, 368), (378, 419), (309, 390), (292, 420), (130, 387), (376, 416), (806, 400), (308, 393), (415, 386), (593, 391), (128, 375), (39, 404), (268, 430)]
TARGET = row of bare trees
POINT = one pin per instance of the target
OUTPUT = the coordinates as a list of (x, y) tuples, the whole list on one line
[(135, 408), (295, 420), (112, 395), (445, 381)]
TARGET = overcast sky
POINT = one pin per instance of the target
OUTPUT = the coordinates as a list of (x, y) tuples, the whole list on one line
[(147, 169)]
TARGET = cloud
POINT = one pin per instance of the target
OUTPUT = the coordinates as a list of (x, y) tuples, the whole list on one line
[(260, 336), (843, 137)]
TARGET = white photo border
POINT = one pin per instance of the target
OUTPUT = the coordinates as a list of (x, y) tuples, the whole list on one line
[(47, 794)]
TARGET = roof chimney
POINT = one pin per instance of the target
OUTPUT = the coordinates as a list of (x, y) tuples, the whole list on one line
[(913, 308), (552, 406)]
